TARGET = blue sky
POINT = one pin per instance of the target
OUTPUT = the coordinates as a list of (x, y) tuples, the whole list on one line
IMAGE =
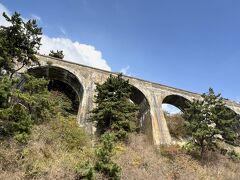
[(189, 44)]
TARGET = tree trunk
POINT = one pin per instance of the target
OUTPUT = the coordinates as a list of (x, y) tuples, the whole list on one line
[(14, 71), (202, 152)]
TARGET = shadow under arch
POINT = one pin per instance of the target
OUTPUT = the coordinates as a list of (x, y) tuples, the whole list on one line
[(63, 81), (144, 117), (176, 100)]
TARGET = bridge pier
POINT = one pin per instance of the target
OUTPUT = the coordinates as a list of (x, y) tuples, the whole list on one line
[(160, 132), (86, 106)]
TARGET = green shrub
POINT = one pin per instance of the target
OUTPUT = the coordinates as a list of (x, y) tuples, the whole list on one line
[(104, 153), (85, 171), (5, 91), (21, 137), (62, 103), (21, 108), (16, 122), (34, 95), (234, 155), (71, 134)]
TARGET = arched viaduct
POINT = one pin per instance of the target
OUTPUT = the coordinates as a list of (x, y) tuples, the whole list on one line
[(149, 96)]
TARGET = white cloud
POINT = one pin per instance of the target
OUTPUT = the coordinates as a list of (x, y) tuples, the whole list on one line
[(73, 50), (125, 70), (171, 109)]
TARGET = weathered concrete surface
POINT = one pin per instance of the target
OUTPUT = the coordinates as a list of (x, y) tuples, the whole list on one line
[(154, 94)]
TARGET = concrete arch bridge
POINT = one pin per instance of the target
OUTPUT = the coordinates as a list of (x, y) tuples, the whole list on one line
[(80, 80)]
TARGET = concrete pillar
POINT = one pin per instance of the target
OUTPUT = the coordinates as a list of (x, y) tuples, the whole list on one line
[(86, 106), (160, 130), (165, 134)]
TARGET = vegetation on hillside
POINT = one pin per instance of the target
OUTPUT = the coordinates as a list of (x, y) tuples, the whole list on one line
[(54, 150), (22, 108), (41, 139)]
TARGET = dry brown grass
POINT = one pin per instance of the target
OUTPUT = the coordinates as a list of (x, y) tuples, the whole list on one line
[(49, 156), (10, 160), (139, 160)]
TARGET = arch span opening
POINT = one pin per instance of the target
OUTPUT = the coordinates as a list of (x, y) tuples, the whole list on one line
[(177, 101), (173, 107), (61, 81), (144, 117)]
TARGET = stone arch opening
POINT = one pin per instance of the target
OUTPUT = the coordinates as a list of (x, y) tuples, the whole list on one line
[(144, 117), (175, 100), (173, 107), (63, 81)]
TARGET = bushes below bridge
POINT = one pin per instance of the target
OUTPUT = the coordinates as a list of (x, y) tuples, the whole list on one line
[(176, 126)]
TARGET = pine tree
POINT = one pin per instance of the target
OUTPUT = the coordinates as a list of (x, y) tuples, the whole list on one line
[(19, 43), (114, 111), (104, 155), (210, 120), (21, 108), (5, 91), (34, 95), (115, 116)]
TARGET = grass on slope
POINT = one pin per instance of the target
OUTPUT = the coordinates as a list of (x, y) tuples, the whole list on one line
[(54, 151), (139, 160)]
